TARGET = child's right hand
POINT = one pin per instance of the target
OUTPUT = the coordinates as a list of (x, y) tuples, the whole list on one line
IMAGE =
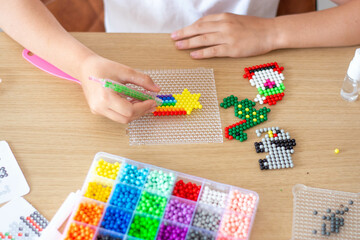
[(107, 102)]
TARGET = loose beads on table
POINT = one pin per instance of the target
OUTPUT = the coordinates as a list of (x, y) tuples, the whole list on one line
[(116, 220), (160, 182), (179, 210), (213, 197), (241, 202), (178, 104), (144, 227), (169, 231), (89, 213), (151, 204), (77, 231), (125, 196), (245, 110), (279, 145), (99, 191), (186, 190), (235, 225), (133, 176), (207, 219), (106, 169), (267, 78)]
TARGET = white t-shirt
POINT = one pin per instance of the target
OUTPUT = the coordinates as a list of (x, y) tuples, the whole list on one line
[(165, 16)]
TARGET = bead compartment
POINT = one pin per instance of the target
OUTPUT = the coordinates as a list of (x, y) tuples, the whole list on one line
[(158, 220)]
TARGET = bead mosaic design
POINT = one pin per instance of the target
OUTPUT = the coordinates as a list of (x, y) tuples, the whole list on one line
[(279, 145), (325, 214), (203, 125), (147, 202), (244, 109), (178, 104), (27, 228), (268, 79)]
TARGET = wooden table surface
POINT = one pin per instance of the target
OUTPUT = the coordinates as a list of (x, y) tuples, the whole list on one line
[(54, 136)]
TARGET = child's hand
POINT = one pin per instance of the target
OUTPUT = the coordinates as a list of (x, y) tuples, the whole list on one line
[(107, 102), (227, 35)]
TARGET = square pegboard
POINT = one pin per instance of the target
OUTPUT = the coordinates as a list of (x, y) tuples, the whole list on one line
[(201, 126), (306, 222)]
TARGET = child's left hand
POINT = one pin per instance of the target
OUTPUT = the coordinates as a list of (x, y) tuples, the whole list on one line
[(227, 35)]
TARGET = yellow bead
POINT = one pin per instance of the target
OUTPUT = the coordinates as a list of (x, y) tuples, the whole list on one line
[(239, 106), (254, 119), (261, 116), (247, 116), (336, 151), (254, 113), (246, 109)]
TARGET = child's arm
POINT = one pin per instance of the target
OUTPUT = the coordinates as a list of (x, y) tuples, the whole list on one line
[(33, 26), (230, 35)]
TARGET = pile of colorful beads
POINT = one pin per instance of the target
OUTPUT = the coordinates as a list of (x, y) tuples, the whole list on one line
[(186, 190), (213, 197), (107, 170), (171, 232), (160, 182), (144, 202), (77, 231), (179, 210), (89, 212)]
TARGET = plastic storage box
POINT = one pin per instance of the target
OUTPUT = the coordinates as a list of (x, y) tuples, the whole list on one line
[(125, 199)]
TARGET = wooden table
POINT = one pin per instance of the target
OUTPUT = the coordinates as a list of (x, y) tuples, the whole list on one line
[(54, 136)]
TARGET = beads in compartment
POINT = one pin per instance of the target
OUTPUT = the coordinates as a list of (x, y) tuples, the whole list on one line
[(206, 219), (98, 190), (144, 227), (106, 169), (116, 220), (77, 231), (180, 211), (241, 202), (169, 231), (186, 190), (125, 196), (133, 176), (160, 182), (151, 204), (213, 197), (235, 225), (89, 213)]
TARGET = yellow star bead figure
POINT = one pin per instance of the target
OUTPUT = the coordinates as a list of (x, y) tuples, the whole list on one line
[(187, 101)]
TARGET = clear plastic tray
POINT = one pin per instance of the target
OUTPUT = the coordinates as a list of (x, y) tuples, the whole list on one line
[(112, 202), (311, 204)]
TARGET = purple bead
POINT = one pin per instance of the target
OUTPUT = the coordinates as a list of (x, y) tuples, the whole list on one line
[(179, 211), (170, 231)]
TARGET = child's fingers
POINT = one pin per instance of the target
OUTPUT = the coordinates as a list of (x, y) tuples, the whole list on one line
[(200, 41), (128, 109), (215, 51), (196, 28), (139, 79), (115, 116)]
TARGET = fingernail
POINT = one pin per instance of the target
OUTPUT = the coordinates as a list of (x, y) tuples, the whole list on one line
[(179, 44), (174, 35), (194, 54)]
